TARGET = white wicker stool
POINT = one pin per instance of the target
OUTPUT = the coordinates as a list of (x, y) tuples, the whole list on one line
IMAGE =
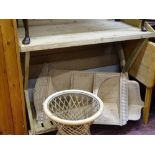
[(73, 111)]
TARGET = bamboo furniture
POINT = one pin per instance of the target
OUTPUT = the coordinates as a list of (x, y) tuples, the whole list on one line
[(79, 33)]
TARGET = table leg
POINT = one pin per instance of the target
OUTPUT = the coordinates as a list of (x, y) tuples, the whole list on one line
[(26, 39), (143, 25), (147, 103), (27, 65)]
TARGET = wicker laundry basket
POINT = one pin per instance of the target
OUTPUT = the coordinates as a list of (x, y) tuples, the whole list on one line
[(73, 111)]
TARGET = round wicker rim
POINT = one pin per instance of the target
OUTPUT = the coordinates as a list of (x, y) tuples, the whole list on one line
[(71, 122)]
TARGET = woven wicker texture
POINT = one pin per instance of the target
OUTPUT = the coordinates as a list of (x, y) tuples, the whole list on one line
[(73, 111), (135, 102), (82, 80), (49, 82), (122, 101), (73, 130), (43, 89), (107, 87)]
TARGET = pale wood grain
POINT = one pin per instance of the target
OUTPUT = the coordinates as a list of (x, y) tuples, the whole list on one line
[(29, 110), (133, 22), (77, 64), (118, 47), (133, 55), (143, 69), (80, 33), (146, 109), (35, 22)]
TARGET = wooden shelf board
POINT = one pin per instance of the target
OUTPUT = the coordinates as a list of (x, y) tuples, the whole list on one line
[(82, 32)]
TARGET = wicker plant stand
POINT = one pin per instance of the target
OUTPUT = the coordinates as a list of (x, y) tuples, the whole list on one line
[(73, 111)]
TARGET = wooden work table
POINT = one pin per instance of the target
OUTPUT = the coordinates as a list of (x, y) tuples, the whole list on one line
[(89, 32), (80, 32)]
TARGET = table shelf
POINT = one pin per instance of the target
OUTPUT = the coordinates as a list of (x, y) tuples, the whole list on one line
[(81, 32)]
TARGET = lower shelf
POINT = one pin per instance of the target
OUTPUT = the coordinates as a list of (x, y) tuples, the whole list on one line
[(36, 127)]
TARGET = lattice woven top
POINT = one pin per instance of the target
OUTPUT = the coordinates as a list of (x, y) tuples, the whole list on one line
[(73, 107)]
